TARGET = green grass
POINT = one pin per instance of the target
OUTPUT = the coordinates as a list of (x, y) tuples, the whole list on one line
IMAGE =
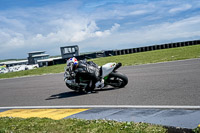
[(19, 125), (164, 55), (156, 56)]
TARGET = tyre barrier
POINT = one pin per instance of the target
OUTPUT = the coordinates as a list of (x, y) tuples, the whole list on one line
[(151, 48)]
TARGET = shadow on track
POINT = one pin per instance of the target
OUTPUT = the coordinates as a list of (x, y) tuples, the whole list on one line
[(66, 95), (74, 94)]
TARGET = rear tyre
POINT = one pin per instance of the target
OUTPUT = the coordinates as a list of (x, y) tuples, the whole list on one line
[(117, 80)]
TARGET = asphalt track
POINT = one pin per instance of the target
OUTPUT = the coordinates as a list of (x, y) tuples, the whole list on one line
[(174, 83), (172, 86)]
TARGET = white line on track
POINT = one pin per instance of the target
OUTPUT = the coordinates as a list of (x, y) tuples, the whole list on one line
[(105, 106)]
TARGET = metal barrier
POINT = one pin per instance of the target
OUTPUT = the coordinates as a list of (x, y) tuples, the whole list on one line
[(153, 47)]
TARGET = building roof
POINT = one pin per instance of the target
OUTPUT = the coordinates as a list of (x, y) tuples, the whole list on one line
[(69, 46), (35, 52), (50, 59), (40, 55)]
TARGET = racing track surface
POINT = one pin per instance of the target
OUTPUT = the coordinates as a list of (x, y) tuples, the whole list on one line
[(171, 83)]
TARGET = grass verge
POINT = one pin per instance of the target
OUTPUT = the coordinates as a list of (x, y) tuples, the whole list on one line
[(74, 125), (164, 55), (156, 56), (29, 125)]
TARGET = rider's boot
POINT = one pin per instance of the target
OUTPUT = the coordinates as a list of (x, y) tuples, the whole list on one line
[(100, 84)]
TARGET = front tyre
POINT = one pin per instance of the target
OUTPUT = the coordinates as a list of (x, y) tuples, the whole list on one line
[(117, 80)]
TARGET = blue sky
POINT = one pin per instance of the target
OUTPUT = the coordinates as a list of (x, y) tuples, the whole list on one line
[(32, 25)]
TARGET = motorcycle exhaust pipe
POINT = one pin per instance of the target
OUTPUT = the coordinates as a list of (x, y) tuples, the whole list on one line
[(117, 66)]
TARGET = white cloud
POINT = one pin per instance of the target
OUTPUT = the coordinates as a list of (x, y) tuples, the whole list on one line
[(64, 31), (12, 23), (138, 12), (185, 29), (11, 39), (71, 32), (181, 8), (96, 27), (105, 33)]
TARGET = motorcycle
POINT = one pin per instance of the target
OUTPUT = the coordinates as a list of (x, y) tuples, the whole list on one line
[(109, 73)]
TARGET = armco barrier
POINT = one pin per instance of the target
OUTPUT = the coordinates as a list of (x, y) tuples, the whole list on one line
[(150, 48)]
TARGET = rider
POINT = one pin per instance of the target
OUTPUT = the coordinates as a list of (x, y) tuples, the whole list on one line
[(87, 70)]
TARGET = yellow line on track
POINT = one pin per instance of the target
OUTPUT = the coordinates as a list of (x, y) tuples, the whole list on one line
[(41, 113)]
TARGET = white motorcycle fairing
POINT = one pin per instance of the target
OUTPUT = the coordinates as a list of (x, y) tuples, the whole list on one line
[(107, 69)]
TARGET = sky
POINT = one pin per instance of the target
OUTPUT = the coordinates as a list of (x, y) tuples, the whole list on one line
[(94, 25)]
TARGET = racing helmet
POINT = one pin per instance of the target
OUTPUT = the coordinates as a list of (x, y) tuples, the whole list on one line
[(71, 63)]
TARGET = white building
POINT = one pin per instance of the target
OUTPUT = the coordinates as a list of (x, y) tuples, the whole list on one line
[(14, 63)]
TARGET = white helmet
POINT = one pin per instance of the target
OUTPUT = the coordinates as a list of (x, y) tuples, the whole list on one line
[(71, 62)]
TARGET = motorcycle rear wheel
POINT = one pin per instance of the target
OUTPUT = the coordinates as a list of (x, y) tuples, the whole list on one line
[(117, 80)]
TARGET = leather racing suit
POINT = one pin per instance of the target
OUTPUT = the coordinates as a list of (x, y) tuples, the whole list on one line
[(88, 70)]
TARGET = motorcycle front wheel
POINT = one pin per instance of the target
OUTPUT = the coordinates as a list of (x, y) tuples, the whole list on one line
[(117, 80)]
